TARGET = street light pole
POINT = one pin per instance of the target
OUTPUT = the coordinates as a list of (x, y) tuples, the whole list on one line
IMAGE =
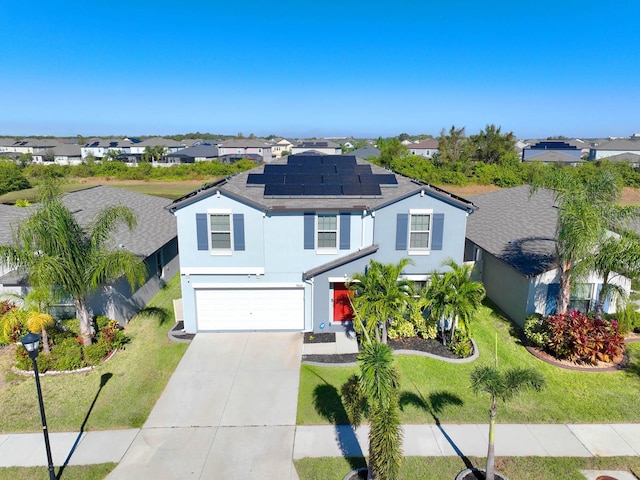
[(31, 343)]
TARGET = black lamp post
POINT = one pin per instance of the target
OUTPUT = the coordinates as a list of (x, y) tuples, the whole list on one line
[(31, 342)]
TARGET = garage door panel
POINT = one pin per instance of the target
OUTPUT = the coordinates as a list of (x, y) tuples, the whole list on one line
[(250, 309)]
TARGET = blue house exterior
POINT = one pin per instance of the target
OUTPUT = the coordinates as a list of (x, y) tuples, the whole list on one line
[(272, 248)]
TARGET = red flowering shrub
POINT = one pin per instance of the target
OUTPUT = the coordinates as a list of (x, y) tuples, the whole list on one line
[(576, 337)]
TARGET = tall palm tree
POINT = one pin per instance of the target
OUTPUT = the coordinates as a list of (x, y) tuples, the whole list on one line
[(454, 295), (586, 211), (502, 386), (57, 252), (381, 297), (379, 382)]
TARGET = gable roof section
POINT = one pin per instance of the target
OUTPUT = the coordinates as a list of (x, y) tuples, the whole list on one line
[(237, 187), (516, 228), (339, 262), (197, 151), (154, 227), (619, 144), (429, 143), (552, 156)]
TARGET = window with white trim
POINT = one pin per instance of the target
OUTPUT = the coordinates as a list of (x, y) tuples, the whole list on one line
[(419, 231), (220, 231), (327, 231)]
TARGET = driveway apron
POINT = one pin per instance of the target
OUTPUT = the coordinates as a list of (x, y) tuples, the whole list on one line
[(228, 412)]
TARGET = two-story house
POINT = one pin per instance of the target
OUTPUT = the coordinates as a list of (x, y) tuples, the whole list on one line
[(272, 248), (426, 148), (233, 150)]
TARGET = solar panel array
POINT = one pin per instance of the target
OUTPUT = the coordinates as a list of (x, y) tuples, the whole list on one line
[(320, 175)]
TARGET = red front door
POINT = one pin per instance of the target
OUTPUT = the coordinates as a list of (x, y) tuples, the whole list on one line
[(342, 311)]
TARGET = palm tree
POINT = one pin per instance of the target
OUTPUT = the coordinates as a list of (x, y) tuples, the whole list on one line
[(56, 252), (616, 256), (454, 295), (378, 381), (586, 211), (502, 386), (381, 297)]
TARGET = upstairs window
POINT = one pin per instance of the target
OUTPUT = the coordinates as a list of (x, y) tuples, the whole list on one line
[(420, 231), (327, 231), (220, 228)]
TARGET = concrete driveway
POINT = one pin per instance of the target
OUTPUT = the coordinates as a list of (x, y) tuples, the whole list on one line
[(228, 412)]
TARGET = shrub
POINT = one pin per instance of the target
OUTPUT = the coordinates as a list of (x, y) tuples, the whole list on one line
[(628, 319), (111, 333), (401, 329), (536, 330), (67, 355), (96, 352), (461, 345), (13, 326), (575, 336)]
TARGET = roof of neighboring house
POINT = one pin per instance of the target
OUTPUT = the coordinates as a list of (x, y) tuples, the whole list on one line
[(517, 228), (68, 150), (619, 144), (320, 143), (197, 151), (154, 227), (429, 143), (247, 187), (625, 157), (366, 152), (244, 143), (160, 142), (552, 156)]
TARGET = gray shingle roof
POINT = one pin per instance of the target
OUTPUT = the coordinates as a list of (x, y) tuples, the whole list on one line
[(551, 156), (516, 228), (236, 187), (366, 152), (619, 144), (154, 229), (199, 151)]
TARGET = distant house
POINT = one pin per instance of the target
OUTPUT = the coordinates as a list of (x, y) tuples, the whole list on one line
[(626, 147), (198, 153), (366, 152), (35, 146), (154, 239), (323, 147), (559, 149), (426, 148), (255, 150), (67, 154), (272, 248), (281, 147), (511, 239), (555, 157)]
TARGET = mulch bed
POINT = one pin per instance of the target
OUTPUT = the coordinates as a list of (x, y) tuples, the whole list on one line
[(418, 344), (310, 337)]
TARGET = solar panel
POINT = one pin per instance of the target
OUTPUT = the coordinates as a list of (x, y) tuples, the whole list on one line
[(371, 190), (352, 189), (314, 189), (255, 179), (386, 179), (331, 180)]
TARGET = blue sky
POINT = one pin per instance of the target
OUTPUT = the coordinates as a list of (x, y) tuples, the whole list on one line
[(332, 68)]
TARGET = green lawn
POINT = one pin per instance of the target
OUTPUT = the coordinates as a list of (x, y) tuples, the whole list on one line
[(132, 382), (439, 468), (433, 389), (76, 472)]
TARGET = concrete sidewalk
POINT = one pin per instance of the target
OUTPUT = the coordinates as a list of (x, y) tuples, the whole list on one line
[(594, 440)]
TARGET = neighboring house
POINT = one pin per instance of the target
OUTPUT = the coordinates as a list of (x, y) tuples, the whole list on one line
[(272, 248), (255, 150), (35, 146), (366, 152), (555, 157), (280, 147), (426, 148), (324, 147), (198, 153), (560, 148), (615, 147), (154, 239), (511, 239), (632, 158), (67, 154)]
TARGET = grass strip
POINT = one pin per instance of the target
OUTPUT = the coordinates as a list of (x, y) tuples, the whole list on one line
[(439, 468)]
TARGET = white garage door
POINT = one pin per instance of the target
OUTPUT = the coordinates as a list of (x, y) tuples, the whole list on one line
[(250, 309)]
